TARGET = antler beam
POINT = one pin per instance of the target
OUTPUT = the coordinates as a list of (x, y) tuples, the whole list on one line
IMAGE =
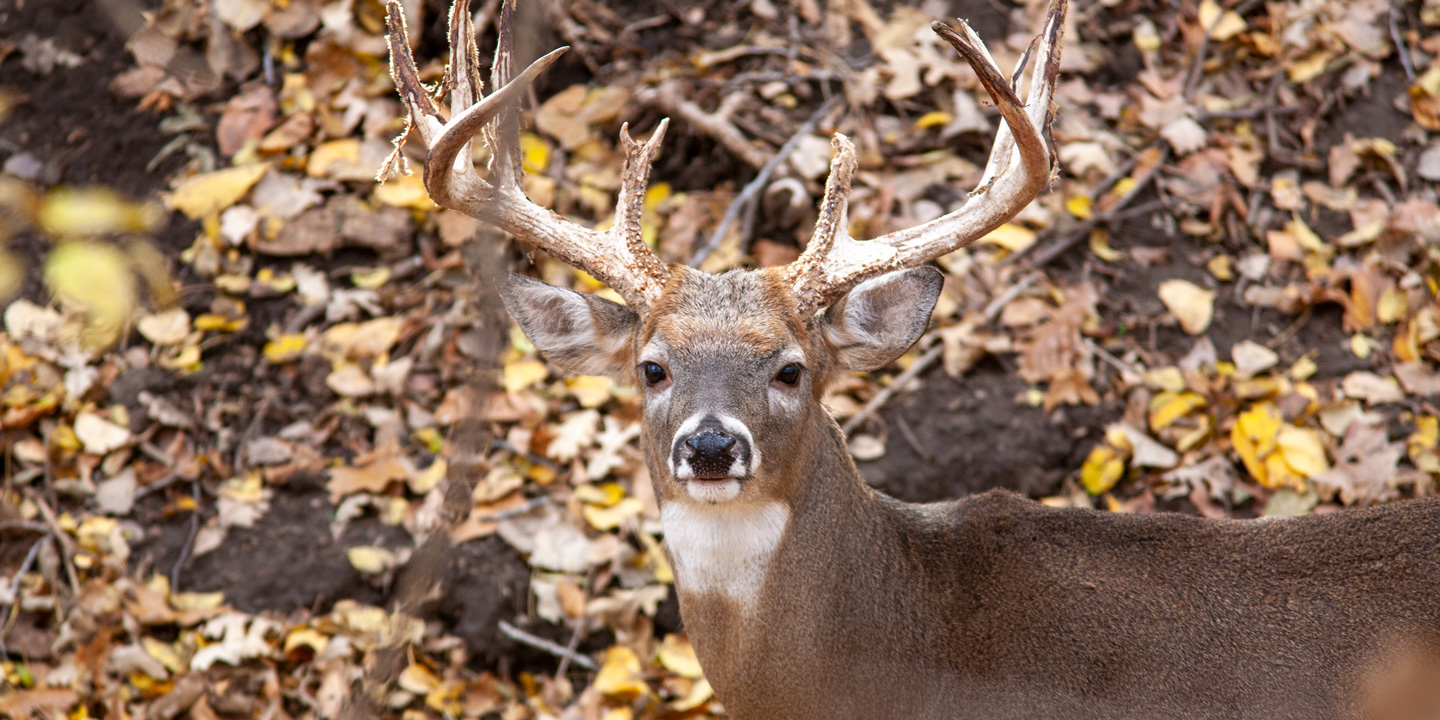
[(1019, 168), (617, 257)]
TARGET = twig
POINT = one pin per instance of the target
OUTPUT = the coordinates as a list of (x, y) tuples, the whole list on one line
[(1129, 372), (1082, 230), (924, 362), (920, 365), (539, 643), (189, 539), (14, 591), (992, 310), (579, 633), (158, 485), (1400, 49), (752, 189), (34, 527), (62, 541), (716, 124)]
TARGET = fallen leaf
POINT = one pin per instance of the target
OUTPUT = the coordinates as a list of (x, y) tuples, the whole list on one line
[(677, 656), (207, 194), (1103, 468), (98, 435), (370, 560), (621, 675), (1191, 304)]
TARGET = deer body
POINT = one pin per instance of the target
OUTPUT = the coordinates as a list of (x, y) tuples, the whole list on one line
[(997, 607), (809, 595)]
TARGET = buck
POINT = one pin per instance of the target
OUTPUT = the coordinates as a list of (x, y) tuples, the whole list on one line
[(809, 595)]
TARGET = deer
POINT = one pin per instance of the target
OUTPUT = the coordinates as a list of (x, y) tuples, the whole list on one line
[(808, 594)]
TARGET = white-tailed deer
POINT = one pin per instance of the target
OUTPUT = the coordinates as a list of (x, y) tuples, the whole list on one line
[(809, 595)]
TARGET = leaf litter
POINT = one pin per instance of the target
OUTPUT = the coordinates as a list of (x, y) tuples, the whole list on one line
[(1235, 264)]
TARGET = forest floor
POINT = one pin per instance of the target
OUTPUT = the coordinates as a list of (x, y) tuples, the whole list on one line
[(231, 363)]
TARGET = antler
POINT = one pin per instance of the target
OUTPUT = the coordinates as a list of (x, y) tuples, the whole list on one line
[(1018, 170), (617, 257)]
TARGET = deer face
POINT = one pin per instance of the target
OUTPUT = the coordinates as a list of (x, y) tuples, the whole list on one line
[(731, 367)]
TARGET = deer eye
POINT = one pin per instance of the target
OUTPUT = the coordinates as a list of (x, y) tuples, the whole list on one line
[(789, 375), (654, 374)]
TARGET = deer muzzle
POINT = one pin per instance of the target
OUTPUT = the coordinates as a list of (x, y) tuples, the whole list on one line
[(712, 448)]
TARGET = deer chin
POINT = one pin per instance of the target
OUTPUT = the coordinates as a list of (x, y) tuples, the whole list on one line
[(713, 491), (709, 484)]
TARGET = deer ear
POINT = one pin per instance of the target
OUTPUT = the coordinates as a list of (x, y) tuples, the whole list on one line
[(881, 318), (581, 333)]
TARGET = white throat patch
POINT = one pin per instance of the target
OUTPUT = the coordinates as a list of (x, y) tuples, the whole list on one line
[(723, 549)]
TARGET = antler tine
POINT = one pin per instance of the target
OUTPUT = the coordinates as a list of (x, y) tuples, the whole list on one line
[(617, 257), (1018, 170)]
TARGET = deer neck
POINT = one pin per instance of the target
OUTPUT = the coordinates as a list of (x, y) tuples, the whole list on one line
[(723, 554)]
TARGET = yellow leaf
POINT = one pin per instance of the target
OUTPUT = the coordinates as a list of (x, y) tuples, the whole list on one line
[(417, 679), (1222, 268), (606, 495), (1220, 24), (1309, 67), (1393, 306), (1279, 474), (208, 193), (165, 653), (1168, 378), (445, 699), (404, 191), (1191, 304), (285, 348), (373, 280), (678, 656), (700, 693), (620, 675), (1145, 36), (1010, 236), (534, 153), (362, 340), (1081, 206), (305, 637), (428, 479), (933, 119), (1102, 469), (1254, 436), (1304, 450), (69, 212), (1303, 369), (369, 559), (605, 519), (190, 601), (1361, 345), (1100, 246), (522, 374), (220, 323), (95, 279), (590, 390), (336, 151), (1167, 407)]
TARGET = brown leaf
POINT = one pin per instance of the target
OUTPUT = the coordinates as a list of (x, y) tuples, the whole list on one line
[(1365, 465), (24, 703), (246, 118)]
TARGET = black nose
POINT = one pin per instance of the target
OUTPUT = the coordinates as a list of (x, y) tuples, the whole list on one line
[(710, 443)]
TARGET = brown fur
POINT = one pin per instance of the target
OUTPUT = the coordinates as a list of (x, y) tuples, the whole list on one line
[(997, 608)]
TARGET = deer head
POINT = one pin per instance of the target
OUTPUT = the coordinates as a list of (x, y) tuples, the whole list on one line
[(733, 365)]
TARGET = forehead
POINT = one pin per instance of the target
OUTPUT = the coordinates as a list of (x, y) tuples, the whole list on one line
[(742, 310)]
